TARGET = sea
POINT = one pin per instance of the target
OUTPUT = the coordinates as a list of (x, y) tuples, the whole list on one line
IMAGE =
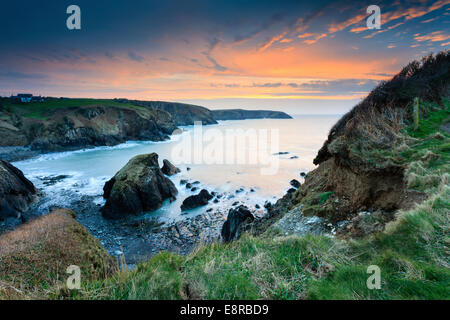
[(248, 162)]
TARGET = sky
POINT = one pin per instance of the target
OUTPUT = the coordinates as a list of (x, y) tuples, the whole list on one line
[(313, 57)]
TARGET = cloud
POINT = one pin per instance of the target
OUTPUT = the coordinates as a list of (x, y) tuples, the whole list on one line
[(359, 29), (211, 46), (335, 27), (436, 36), (386, 17), (343, 86), (21, 75), (267, 85), (109, 55), (216, 65), (271, 41), (317, 38), (305, 35), (429, 20), (274, 19), (383, 30), (135, 57)]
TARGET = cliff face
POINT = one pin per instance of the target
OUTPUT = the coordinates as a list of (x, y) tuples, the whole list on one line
[(16, 191), (240, 114), (363, 165), (182, 114), (86, 126)]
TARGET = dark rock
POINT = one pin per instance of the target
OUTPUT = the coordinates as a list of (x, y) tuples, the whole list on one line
[(235, 203), (51, 180), (302, 174), (257, 206), (188, 169), (196, 182), (216, 200), (280, 153), (291, 190), (195, 201), (138, 187), (168, 168), (188, 185), (293, 157), (252, 190), (267, 205), (295, 183), (232, 228), (16, 191), (183, 181), (194, 189)]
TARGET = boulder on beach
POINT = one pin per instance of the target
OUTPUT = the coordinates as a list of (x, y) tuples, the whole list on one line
[(168, 168), (16, 191), (291, 190), (295, 183), (138, 187), (197, 200), (233, 227)]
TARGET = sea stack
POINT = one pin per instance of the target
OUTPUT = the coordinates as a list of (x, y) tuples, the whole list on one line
[(138, 187)]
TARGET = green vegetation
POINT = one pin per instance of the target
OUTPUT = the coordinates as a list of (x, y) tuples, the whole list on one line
[(412, 252), (416, 113), (38, 110), (323, 197)]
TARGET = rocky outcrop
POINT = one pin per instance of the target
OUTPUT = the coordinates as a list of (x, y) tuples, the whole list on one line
[(240, 114), (197, 200), (138, 187), (182, 114), (168, 168), (16, 191), (233, 226)]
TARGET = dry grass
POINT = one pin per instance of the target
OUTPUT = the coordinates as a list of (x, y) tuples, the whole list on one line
[(376, 121), (34, 257)]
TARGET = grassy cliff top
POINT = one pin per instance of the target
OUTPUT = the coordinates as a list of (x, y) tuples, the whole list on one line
[(34, 257), (38, 109)]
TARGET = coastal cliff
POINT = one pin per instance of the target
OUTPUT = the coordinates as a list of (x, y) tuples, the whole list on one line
[(69, 124), (366, 161), (182, 114), (240, 114)]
